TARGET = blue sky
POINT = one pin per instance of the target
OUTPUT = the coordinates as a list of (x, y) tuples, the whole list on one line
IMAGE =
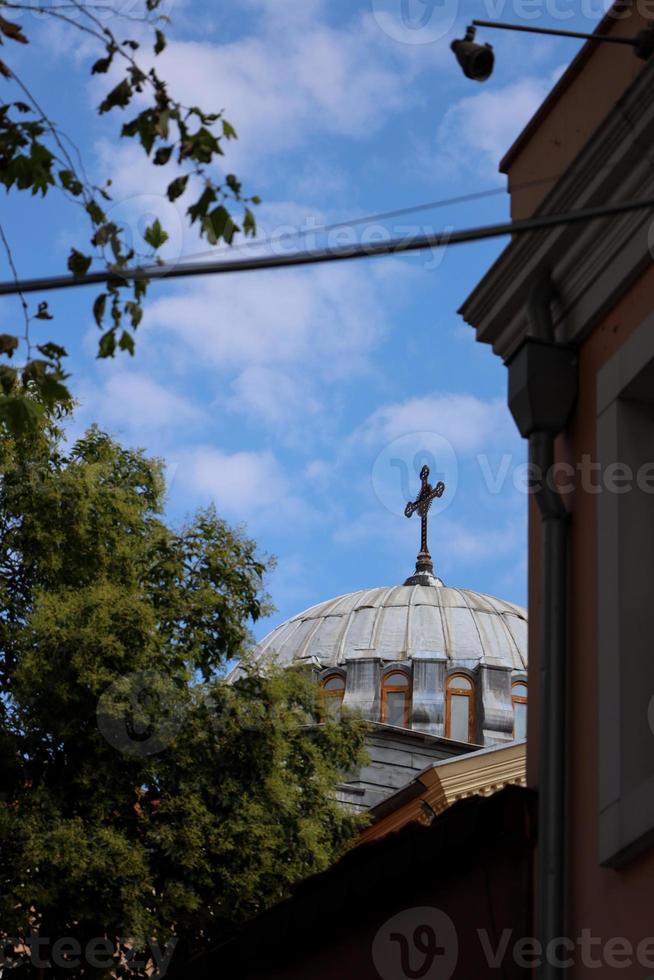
[(303, 402)]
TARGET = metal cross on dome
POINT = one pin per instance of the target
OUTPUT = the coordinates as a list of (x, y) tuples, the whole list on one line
[(421, 505)]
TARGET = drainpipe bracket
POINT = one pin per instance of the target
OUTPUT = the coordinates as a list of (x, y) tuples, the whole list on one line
[(542, 386)]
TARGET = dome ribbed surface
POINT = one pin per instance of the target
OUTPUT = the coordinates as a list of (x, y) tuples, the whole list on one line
[(401, 622)]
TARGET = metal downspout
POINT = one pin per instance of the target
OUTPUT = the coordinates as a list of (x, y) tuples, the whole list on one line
[(552, 776)]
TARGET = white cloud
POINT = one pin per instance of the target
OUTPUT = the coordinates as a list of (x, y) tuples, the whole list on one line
[(293, 77), (246, 486), (281, 401), (467, 544), (374, 525), (467, 422), (329, 316), (476, 132), (283, 343), (132, 402), (239, 483)]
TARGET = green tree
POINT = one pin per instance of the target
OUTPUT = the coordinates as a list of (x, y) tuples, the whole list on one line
[(144, 798), (36, 157)]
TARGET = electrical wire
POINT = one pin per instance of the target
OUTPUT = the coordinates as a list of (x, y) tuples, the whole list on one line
[(382, 216), (392, 247)]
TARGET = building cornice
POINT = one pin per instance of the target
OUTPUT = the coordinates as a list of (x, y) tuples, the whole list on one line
[(591, 267), (439, 786), (575, 68)]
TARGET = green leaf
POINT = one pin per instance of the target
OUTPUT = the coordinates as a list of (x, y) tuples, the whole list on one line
[(200, 146), (177, 188), (163, 154), (135, 311), (52, 351), (78, 263), (34, 370), (20, 413), (70, 182), (160, 42), (53, 392), (249, 223), (8, 344), (43, 313), (137, 77), (99, 307), (162, 124), (107, 346), (8, 378), (96, 213), (119, 96), (102, 65), (201, 206), (126, 342), (155, 235), (13, 31), (228, 131), (219, 224)]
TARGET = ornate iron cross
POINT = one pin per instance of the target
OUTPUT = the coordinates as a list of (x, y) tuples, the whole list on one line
[(421, 505)]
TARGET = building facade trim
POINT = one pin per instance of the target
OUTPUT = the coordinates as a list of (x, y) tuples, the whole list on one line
[(595, 260), (625, 524)]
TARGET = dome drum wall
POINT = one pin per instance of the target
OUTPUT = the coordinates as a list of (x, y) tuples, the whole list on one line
[(428, 679), (363, 687), (428, 707), (496, 704)]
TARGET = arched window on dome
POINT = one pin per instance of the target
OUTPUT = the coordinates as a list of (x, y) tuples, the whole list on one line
[(396, 699), (519, 699), (460, 708), (332, 694)]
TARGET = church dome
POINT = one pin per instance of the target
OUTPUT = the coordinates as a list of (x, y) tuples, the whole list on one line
[(402, 623), (420, 657)]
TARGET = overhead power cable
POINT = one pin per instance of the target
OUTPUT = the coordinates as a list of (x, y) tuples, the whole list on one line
[(365, 219), (396, 246)]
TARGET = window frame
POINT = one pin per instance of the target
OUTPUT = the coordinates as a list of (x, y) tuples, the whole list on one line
[(452, 691), (327, 697), (518, 698), (390, 688)]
